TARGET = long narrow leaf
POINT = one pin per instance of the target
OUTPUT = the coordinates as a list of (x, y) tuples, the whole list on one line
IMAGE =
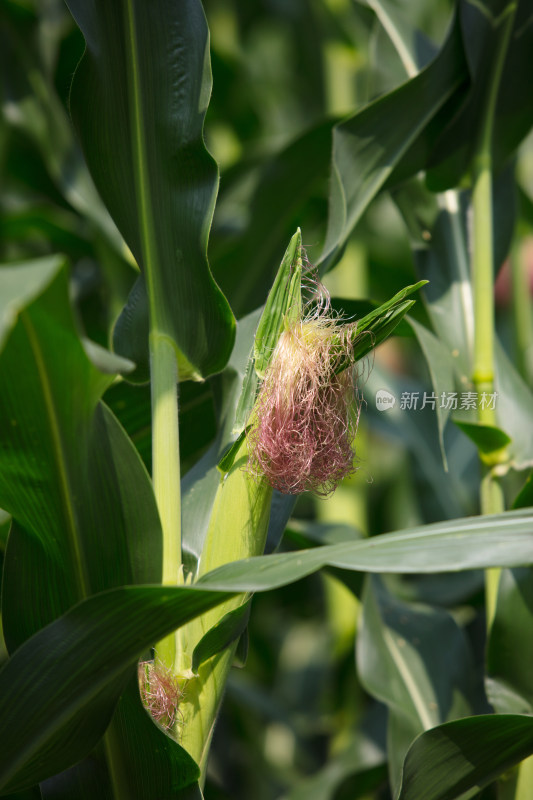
[(84, 515), (138, 101), (69, 664), (367, 148), (447, 761), (459, 544)]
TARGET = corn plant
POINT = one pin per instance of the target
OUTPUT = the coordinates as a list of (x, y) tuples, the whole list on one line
[(198, 422)]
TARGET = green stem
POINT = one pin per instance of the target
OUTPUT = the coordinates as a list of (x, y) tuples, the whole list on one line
[(492, 502), (492, 499), (166, 469), (483, 282), (483, 255), (483, 372)]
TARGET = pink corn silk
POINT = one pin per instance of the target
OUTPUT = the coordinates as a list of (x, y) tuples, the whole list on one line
[(160, 693), (305, 427)]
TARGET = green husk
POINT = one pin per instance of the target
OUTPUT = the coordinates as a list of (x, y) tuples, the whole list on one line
[(240, 516), (237, 530)]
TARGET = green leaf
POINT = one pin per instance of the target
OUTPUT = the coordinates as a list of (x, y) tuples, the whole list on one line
[(346, 307), (438, 230), (131, 405), (415, 51), (378, 324), (416, 660), (247, 396), (440, 365), (84, 781), (413, 658), (459, 544), (377, 316), (84, 515), (157, 766), (446, 494), (21, 283), (513, 409), (367, 147), (482, 25), (439, 242), (5, 524), (463, 755), (510, 645), (441, 255), (69, 666), (487, 438), (283, 305), (524, 498), (447, 146), (313, 534), (146, 69), (227, 460), (105, 361), (221, 635), (130, 333), (413, 48)]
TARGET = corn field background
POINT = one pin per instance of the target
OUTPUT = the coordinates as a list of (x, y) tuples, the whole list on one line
[(159, 161)]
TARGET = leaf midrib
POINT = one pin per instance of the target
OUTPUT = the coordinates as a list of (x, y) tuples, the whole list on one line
[(395, 36), (140, 162), (402, 668), (60, 459)]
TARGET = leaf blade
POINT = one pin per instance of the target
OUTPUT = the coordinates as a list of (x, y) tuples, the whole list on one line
[(366, 148), (45, 674), (453, 758), (142, 136)]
